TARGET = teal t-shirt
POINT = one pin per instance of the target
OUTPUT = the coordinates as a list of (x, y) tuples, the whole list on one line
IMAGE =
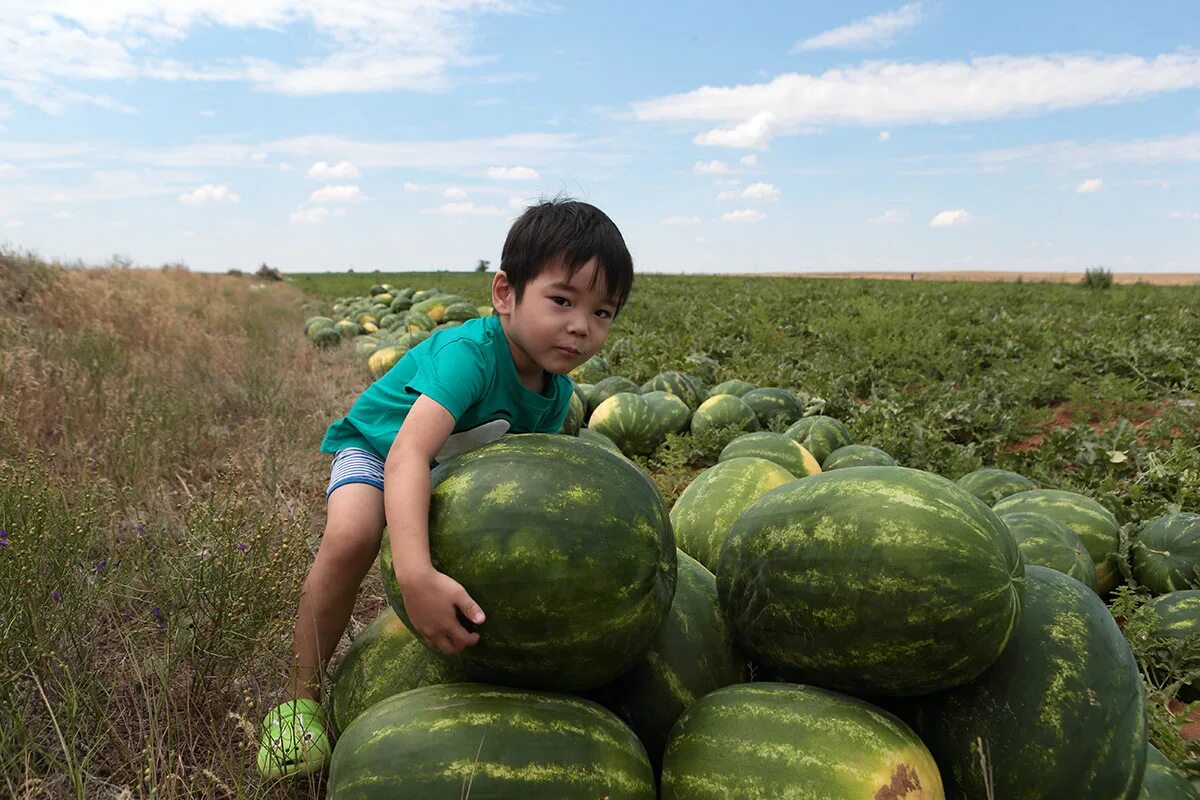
[(469, 371)]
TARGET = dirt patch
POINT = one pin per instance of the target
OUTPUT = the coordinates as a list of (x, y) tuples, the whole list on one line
[(1101, 418)]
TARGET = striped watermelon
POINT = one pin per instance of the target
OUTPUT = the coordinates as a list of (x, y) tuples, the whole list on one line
[(574, 419), (702, 366), (873, 580), (383, 359), (1048, 543), (566, 547), (857, 455), (594, 370), (468, 740), (589, 436), (783, 740), (724, 411), (606, 388), (734, 387), (820, 435), (993, 485), (693, 654), (1091, 522), (631, 422), (1166, 553), (384, 659), (706, 509), (1060, 714), (1163, 780), (774, 447), (686, 387), (770, 403), (672, 413)]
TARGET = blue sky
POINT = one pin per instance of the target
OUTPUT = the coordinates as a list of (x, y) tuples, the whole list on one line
[(744, 137)]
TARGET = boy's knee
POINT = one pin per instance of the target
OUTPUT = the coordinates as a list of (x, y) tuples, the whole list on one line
[(350, 546)]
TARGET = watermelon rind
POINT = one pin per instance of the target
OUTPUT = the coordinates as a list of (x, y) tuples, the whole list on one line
[(820, 435), (774, 447), (1046, 542)]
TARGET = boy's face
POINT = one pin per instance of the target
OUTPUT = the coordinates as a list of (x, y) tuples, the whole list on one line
[(558, 323)]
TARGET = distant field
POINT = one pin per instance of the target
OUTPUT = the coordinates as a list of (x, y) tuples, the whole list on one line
[(987, 276)]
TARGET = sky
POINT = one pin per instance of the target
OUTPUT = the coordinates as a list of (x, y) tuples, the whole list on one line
[(315, 135)]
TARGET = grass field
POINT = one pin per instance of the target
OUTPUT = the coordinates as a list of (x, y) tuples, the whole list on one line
[(162, 492)]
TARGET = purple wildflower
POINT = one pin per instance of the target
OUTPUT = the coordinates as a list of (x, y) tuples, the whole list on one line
[(140, 529), (157, 614), (241, 547), (3, 538), (56, 596), (101, 564)]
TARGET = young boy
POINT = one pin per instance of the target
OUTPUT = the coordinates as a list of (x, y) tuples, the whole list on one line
[(564, 274)]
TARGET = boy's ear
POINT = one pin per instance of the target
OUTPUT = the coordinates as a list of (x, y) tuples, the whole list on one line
[(504, 297)]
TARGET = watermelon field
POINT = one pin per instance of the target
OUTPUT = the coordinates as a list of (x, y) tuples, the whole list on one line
[(827, 538)]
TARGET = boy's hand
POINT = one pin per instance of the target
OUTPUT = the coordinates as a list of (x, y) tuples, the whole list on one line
[(432, 601)]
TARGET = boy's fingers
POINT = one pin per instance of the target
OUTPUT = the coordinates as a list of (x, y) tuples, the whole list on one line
[(469, 608)]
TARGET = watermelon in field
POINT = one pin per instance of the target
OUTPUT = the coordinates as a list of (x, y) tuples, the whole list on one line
[(485, 311), (574, 418), (774, 447), (993, 485), (400, 304), (873, 580), (468, 740), (314, 324), (1048, 543), (346, 328), (686, 387), (784, 740), (1163, 780), (706, 509), (365, 345), (326, 337), (606, 388), (566, 547), (383, 359), (1091, 522), (734, 387), (692, 655), (724, 411), (770, 404), (589, 436), (1061, 713), (672, 413), (857, 455), (1166, 553), (384, 659), (594, 370), (418, 321), (630, 421), (702, 366), (820, 435), (459, 312)]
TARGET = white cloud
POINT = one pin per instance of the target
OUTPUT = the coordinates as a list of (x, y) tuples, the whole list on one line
[(872, 31), (744, 215), (208, 195), (512, 173), (518, 203), (286, 167), (454, 193), (340, 171), (878, 93), (949, 219), (207, 112), (679, 220), (710, 167), (409, 186), (749, 161), (890, 217), (309, 215), (468, 209), (1090, 185), (1166, 149), (345, 193), (1193, 216), (8, 171), (755, 191), (885, 136)]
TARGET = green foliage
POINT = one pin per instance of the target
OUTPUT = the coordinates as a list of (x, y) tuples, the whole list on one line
[(1097, 278)]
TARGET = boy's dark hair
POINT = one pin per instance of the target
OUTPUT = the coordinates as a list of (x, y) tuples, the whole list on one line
[(572, 232)]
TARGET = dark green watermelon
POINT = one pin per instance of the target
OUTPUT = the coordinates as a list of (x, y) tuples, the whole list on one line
[(631, 421), (770, 404), (820, 435), (687, 388), (993, 485), (1061, 713), (606, 389), (1048, 543), (1166, 553), (1164, 780), (734, 387), (857, 455)]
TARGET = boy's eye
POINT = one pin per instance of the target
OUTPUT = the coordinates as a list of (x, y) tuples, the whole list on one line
[(562, 301), (603, 313)]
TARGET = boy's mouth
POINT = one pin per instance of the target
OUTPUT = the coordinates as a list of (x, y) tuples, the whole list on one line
[(569, 352)]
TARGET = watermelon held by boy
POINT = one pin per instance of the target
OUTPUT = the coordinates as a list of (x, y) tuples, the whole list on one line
[(777, 740), (565, 546), (470, 740), (1061, 713), (873, 580)]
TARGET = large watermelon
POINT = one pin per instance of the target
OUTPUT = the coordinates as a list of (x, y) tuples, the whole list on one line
[(770, 404), (686, 387), (566, 547), (1166, 553), (993, 485), (693, 654), (873, 580), (774, 447), (468, 740), (384, 659), (1091, 522), (734, 387), (672, 413), (631, 422), (724, 411), (764, 741), (820, 435), (706, 509), (1163, 780), (1048, 543), (857, 455), (1061, 713)]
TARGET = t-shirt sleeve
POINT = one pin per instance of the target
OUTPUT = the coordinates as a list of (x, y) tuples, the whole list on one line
[(453, 375)]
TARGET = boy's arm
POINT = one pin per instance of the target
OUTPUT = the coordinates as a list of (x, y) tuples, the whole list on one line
[(431, 598)]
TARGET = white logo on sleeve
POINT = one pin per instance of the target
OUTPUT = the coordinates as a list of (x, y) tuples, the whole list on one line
[(463, 441)]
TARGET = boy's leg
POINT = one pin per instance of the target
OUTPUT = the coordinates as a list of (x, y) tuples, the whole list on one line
[(354, 524)]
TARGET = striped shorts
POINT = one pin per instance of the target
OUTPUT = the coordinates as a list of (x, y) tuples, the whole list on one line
[(355, 465)]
